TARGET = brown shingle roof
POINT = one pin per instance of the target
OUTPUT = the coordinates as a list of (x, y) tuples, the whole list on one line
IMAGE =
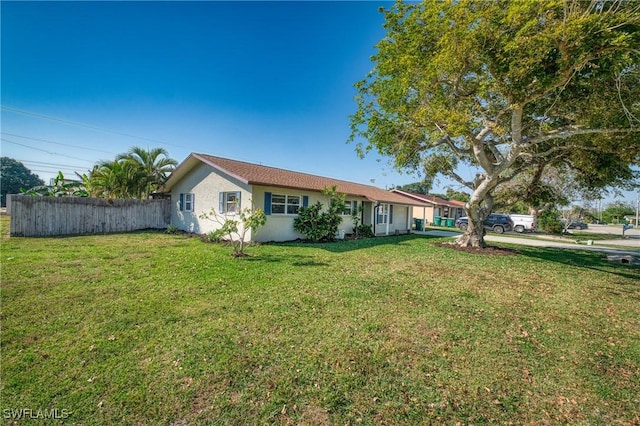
[(256, 174), (429, 198)]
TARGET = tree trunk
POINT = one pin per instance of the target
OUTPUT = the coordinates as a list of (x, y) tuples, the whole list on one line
[(472, 237), (479, 206), (474, 234)]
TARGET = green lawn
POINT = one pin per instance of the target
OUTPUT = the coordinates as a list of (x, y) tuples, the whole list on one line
[(148, 328)]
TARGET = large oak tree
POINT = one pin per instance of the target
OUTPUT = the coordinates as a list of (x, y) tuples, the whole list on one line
[(509, 88)]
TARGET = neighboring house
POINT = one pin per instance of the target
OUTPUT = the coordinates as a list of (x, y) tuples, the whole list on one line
[(631, 219), (433, 206), (202, 182)]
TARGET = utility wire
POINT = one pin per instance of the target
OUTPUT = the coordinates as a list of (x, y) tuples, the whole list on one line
[(88, 126), (54, 171), (55, 168), (57, 143), (44, 150), (43, 163)]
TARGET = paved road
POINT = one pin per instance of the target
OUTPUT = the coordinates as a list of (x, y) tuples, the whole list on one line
[(631, 246), (613, 230)]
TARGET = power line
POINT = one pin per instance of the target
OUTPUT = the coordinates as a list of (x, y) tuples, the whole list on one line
[(44, 150), (44, 163), (73, 169), (88, 126), (58, 143), (53, 171)]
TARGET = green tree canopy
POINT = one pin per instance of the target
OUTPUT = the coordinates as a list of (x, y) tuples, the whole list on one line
[(135, 174), (417, 187), (452, 194), (153, 164), (615, 212), (506, 87), (14, 177)]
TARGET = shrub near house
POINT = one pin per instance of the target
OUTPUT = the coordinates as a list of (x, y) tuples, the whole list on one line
[(319, 225)]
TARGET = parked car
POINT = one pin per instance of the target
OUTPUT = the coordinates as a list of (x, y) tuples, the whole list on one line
[(578, 226), (523, 222), (495, 222)]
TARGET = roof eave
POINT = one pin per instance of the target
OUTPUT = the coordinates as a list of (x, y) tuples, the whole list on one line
[(222, 169)]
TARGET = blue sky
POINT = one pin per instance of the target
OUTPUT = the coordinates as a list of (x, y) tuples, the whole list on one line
[(264, 82), (267, 82)]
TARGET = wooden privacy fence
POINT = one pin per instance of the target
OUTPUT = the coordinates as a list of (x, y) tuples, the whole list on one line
[(49, 216)]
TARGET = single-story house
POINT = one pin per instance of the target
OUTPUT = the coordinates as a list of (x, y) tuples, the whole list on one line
[(202, 182), (433, 207)]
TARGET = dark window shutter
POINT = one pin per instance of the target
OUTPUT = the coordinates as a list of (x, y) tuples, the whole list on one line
[(181, 202), (267, 203), (221, 206), (390, 214), (238, 194), (305, 201)]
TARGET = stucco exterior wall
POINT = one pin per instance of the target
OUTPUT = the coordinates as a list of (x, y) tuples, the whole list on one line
[(429, 213), (205, 183), (279, 227), (401, 221), (424, 213)]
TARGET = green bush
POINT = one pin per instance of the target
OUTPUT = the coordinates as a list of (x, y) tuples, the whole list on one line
[(172, 229), (212, 237), (319, 225), (548, 222), (316, 224), (364, 231)]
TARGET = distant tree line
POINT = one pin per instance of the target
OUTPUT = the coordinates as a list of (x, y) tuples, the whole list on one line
[(14, 176)]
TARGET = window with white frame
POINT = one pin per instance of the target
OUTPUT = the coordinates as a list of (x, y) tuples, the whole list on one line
[(229, 202), (350, 208), (285, 204), (187, 202), (383, 214)]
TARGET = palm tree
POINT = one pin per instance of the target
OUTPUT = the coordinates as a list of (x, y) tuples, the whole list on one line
[(154, 165), (117, 179)]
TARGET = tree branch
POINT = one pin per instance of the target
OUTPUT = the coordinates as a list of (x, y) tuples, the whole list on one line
[(451, 143), (460, 180), (478, 144), (568, 132)]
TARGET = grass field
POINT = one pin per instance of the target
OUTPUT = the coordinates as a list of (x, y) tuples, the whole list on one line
[(148, 328)]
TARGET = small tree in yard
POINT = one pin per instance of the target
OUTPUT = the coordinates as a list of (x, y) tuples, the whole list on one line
[(319, 225), (234, 229), (509, 88)]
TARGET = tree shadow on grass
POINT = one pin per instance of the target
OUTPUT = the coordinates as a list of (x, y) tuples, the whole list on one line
[(293, 259), (594, 260), (343, 246)]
